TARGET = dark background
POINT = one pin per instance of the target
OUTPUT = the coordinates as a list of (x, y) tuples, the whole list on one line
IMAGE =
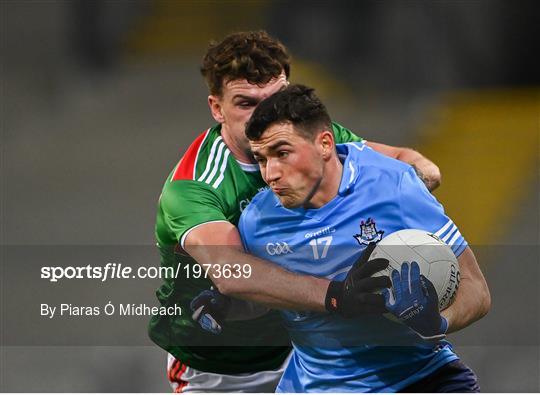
[(99, 99)]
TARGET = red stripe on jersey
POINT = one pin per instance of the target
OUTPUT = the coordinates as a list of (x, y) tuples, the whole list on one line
[(181, 383), (182, 371), (173, 370), (181, 387), (186, 167)]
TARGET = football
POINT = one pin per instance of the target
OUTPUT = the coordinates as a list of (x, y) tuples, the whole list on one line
[(436, 260)]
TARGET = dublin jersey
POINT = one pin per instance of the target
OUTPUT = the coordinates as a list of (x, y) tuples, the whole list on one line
[(377, 196), (209, 185)]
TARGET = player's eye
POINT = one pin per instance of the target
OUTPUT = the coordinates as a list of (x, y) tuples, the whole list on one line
[(283, 154), (260, 161), (246, 104)]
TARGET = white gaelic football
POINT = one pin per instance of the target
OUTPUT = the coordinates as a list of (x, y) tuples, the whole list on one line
[(436, 260)]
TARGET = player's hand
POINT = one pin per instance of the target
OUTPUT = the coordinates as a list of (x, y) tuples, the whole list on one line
[(355, 295), (210, 309), (416, 302)]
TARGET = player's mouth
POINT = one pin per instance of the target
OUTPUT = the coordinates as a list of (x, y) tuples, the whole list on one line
[(279, 191)]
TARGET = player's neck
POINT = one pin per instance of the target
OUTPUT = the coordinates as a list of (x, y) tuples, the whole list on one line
[(240, 151), (329, 185)]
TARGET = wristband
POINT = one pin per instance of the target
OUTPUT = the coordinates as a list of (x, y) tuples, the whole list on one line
[(333, 296)]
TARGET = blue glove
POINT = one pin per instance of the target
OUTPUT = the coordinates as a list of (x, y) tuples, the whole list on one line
[(210, 309), (416, 303)]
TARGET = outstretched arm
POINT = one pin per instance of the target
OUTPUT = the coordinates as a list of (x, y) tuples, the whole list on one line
[(219, 243), (428, 171), (276, 287)]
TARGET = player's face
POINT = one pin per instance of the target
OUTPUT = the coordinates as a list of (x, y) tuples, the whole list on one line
[(236, 104), (290, 164)]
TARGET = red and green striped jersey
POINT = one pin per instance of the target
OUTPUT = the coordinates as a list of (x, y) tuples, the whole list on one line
[(209, 184)]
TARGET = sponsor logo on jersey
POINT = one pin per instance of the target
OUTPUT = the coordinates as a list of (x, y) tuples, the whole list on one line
[(321, 232), (243, 204), (278, 248), (368, 233)]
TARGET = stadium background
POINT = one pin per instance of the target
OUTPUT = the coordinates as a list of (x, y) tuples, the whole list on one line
[(100, 98)]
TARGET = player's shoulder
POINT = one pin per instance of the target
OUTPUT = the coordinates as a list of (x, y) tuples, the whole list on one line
[(369, 162), (263, 201), (369, 157), (205, 160), (263, 216), (185, 175)]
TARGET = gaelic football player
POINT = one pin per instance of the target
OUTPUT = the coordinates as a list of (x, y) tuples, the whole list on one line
[(316, 185), (198, 211)]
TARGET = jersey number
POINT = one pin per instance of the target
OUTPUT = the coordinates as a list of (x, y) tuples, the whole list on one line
[(321, 241)]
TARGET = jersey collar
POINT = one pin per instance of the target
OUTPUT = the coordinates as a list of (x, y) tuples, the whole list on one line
[(248, 167), (350, 165)]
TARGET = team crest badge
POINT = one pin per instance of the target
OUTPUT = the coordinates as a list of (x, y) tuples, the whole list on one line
[(368, 233)]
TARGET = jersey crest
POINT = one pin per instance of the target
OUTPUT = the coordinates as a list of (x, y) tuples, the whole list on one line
[(368, 233)]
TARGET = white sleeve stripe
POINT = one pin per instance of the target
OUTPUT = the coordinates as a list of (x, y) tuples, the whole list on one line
[(455, 238), (183, 239), (210, 158), (459, 246), (449, 234), (443, 229), (222, 170), (217, 160)]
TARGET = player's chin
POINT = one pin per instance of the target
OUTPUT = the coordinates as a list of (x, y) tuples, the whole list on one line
[(289, 201)]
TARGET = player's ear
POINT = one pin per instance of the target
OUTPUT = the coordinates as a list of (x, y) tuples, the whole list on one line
[(214, 102), (326, 143)]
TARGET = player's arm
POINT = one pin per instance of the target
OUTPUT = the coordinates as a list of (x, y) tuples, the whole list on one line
[(420, 210), (276, 287), (219, 244), (428, 171), (473, 300), (193, 213), (416, 303)]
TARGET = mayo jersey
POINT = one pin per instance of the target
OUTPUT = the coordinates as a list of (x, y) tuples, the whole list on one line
[(208, 185), (377, 196)]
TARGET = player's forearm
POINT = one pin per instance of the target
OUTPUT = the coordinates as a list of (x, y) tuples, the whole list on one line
[(473, 299), (470, 305), (277, 288), (268, 283), (428, 171)]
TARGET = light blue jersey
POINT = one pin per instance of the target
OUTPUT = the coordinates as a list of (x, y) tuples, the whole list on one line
[(377, 196)]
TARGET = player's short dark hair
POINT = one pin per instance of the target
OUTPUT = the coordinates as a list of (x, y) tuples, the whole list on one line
[(254, 56), (297, 104)]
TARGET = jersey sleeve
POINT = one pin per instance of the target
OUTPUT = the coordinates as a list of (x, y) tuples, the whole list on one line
[(344, 135), (244, 228), (420, 210), (186, 204)]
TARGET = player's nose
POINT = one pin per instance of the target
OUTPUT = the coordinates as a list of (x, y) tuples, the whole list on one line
[(273, 171)]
